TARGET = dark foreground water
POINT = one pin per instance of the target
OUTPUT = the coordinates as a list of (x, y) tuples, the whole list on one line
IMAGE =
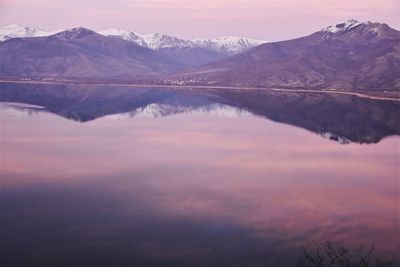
[(153, 177)]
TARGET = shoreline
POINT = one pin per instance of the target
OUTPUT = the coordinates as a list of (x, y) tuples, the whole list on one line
[(327, 91)]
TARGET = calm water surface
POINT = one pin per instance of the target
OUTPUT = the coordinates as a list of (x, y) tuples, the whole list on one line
[(197, 184)]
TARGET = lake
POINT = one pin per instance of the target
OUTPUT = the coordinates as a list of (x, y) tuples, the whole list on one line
[(122, 176)]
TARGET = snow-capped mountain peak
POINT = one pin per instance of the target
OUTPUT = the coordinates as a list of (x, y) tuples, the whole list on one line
[(159, 41), (342, 27), (154, 41), (17, 31), (116, 32), (125, 35), (229, 44), (74, 33), (369, 28)]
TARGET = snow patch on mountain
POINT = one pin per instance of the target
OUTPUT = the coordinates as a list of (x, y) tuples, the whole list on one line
[(125, 35)]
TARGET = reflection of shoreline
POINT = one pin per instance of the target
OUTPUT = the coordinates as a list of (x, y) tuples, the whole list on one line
[(158, 86)]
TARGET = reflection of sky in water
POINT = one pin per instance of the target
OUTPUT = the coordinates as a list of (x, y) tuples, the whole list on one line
[(190, 188)]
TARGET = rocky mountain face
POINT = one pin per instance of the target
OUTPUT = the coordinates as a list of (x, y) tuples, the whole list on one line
[(348, 56), (82, 54)]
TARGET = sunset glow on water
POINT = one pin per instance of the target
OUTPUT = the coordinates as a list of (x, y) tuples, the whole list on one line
[(195, 187)]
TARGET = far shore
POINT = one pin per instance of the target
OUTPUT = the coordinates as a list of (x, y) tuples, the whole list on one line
[(386, 95)]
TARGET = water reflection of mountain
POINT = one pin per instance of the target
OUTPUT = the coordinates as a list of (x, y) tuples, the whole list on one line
[(156, 110), (342, 118)]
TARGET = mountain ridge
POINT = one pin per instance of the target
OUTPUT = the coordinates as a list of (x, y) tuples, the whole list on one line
[(352, 56)]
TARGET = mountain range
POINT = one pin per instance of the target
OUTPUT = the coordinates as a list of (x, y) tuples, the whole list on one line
[(158, 41), (348, 56), (187, 52)]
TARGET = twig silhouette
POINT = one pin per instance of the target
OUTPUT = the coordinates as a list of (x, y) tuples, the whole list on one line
[(332, 255)]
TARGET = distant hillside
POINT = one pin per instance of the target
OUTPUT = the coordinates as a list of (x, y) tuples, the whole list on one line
[(80, 53), (349, 56)]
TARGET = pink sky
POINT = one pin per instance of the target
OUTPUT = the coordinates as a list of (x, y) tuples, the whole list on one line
[(264, 19)]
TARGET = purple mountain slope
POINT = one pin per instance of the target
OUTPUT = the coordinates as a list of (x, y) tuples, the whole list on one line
[(80, 53), (348, 56)]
